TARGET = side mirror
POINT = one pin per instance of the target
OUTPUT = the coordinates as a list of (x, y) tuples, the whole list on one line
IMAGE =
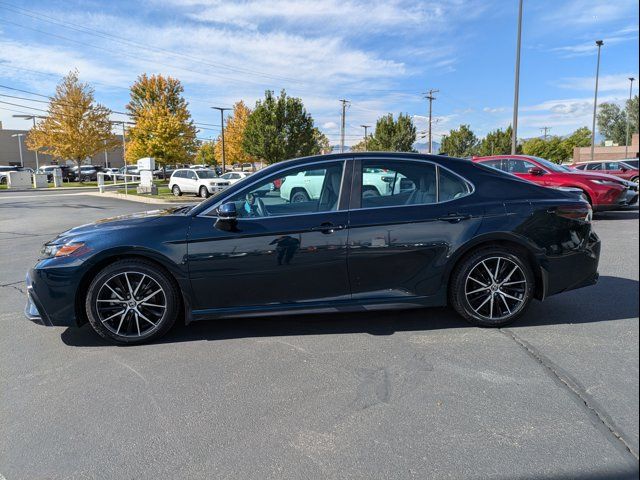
[(536, 171), (227, 217)]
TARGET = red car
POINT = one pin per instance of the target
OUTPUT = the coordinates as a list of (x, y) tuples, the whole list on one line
[(612, 167), (603, 192)]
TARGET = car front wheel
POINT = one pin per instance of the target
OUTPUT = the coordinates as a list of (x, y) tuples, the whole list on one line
[(299, 196), (132, 301), (492, 287), (176, 191), (204, 193)]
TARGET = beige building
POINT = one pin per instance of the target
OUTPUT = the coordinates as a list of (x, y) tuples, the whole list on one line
[(583, 154)]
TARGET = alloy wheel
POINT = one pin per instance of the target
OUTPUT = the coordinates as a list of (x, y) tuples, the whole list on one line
[(496, 288), (131, 304)]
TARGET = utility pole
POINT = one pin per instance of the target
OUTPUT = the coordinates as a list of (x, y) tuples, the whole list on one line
[(516, 94), (545, 130), (626, 143), (365, 136), (342, 123), (222, 110), (429, 96), (599, 43)]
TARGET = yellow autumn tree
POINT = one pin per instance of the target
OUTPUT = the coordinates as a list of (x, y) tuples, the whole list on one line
[(76, 127), (233, 136), (163, 126)]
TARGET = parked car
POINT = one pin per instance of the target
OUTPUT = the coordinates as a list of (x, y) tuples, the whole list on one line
[(632, 162), (308, 185), (48, 170), (465, 235), (202, 182), (602, 191), (110, 173), (234, 177), (4, 169), (88, 173), (128, 170), (616, 168)]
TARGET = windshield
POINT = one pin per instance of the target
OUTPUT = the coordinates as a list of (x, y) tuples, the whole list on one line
[(554, 167), (206, 174)]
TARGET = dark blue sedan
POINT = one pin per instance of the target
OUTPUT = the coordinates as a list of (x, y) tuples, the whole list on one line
[(323, 234)]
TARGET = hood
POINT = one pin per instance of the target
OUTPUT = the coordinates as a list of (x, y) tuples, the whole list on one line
[(598, 176), (120, 222)]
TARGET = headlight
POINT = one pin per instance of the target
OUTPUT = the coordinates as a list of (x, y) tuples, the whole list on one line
[(608, 183), (61, 250)]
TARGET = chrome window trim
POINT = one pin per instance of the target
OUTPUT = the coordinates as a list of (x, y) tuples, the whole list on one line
[(293, 167)]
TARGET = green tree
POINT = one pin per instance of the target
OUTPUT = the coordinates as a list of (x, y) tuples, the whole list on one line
[(612, 120), (206, 154), (557, 149), (497, 142), (460, 143), (280, 128), (76, 127), (163, 126), (322, 141), (392, 135)]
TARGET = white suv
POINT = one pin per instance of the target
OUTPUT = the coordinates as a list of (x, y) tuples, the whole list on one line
[(306, 186), (202, 182)]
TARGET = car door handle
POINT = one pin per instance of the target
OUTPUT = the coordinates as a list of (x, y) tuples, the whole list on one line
[(327, 227), (455, 217)]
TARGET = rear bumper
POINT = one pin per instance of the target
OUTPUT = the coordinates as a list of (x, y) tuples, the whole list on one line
[(574, 270)]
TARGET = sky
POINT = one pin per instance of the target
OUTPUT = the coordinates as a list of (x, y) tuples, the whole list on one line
[(382, 56)]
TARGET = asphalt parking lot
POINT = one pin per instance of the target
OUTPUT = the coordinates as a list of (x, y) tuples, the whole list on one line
[(416, 394)]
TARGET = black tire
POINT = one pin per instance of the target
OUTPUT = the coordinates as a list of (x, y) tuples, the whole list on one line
[(176, 191), (469, 304), (129, 327), (369, 192), (204, 193), (635, 179), (299, 196), (3, 181)]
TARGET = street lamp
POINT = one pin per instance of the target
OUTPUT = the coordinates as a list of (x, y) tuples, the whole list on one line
[(222, 109), (365, 136), (626, 143), (516, 94), (19, 135), (32, 117), (599, 43)]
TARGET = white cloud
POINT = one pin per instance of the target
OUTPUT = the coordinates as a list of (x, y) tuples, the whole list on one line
[(494, 109), (586, 48), (591, 12), (329, 125), (606, 83)]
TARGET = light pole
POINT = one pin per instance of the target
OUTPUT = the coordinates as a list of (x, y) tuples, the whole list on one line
[(365, 136), (19, 135), (626, 143), (599, 43), (32, 117), (222, 109), (516, 94)]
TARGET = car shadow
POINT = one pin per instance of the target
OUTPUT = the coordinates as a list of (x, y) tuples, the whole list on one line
[(612, 298)]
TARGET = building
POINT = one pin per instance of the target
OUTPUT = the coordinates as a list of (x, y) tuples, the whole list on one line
[(583, 154), (10, 152)]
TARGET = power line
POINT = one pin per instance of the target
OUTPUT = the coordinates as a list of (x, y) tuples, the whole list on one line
[(99, 33)]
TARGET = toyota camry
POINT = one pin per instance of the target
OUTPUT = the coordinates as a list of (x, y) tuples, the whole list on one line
[(359, 231)]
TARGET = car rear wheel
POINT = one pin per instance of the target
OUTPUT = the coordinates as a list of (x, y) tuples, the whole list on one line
[(492, 287), (176, 191), (204, 193), (131, 301)]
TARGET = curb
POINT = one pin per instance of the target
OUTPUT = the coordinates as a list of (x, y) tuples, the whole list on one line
[(140, 199)]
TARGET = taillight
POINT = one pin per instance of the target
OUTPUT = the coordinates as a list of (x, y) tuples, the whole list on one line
[(581, 211)]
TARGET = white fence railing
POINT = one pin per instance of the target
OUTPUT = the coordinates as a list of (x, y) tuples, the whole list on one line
[(128, 179)]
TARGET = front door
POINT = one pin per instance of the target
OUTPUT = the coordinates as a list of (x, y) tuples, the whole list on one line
[(401, 232), (278, 253)]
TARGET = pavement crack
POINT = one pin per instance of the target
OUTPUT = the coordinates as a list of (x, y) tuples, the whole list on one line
[(15, 286), (600, 419)]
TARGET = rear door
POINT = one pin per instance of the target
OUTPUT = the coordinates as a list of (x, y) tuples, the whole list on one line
[(400, 234)]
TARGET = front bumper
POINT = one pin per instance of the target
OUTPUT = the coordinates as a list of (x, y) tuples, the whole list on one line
[(217, 188), (33, 310)]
